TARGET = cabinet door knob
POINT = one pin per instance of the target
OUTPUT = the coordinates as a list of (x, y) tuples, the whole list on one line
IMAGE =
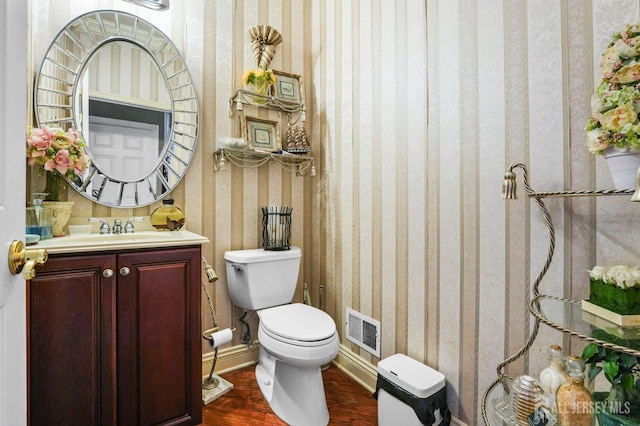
[(107, 273), (124, 271)]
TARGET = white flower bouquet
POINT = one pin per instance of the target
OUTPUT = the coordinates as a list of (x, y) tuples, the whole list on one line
[(616, 288)]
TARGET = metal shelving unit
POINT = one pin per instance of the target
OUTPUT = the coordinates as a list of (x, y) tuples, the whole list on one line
[(302, 165), (246, 97), (561, 314)]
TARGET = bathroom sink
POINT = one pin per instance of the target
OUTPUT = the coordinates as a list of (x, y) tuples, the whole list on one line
[(101, 242), (107, 238)]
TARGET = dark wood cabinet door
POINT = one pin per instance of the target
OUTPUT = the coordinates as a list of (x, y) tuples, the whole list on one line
[(71, 349), (159, 349)]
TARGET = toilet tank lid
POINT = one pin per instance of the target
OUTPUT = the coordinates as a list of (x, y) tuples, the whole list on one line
[(411, 375), (261, 255)]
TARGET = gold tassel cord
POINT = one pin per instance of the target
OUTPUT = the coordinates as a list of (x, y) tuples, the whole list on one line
[(509, 186)]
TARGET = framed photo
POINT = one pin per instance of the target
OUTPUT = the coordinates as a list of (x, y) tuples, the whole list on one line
[(288, 87), (261, 134)]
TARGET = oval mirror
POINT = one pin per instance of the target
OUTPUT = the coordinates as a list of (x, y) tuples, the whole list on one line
[(124, 85)]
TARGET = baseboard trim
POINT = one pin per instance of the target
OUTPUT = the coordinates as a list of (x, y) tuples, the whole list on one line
[(231, 358), (357, 368), (240, 356)]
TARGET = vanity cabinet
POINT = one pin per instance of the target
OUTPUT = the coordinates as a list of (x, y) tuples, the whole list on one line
[(114, 338)]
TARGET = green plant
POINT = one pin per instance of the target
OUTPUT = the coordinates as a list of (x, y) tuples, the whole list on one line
[(622, 371), (616, 288)]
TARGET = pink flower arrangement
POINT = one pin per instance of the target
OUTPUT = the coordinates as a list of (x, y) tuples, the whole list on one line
[(57, 151)]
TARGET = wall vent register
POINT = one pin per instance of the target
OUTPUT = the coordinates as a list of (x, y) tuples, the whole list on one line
[(363, 331)]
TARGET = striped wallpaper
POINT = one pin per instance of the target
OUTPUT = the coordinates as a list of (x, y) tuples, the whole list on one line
[(414, 110), (123, 72)]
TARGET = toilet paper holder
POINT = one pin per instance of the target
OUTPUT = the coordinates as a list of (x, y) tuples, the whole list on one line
[(217, 337)]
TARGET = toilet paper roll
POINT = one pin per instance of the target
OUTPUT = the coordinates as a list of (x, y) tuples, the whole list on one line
[(221, 337)]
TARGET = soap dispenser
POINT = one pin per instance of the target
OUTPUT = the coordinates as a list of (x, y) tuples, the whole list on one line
[(38, 220)]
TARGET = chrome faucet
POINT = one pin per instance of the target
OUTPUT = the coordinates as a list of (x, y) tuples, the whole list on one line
[(117, 227), (128, 227), (104, 228)]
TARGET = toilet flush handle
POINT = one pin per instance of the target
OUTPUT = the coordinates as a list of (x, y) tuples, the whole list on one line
[(237, 268)]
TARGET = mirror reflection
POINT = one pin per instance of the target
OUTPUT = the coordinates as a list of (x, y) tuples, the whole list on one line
[(124, 85), (128, 111)]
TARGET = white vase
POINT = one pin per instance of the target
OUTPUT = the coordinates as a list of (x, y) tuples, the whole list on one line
[(60, 214), (623, 166)]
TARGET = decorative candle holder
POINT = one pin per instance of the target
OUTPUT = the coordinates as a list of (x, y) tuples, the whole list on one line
[(276, 227)]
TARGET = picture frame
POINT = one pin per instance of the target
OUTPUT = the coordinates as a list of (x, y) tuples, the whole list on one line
[(288, 87), (261, 134)]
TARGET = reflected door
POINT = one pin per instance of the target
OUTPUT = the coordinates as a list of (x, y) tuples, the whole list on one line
[(124, 148)]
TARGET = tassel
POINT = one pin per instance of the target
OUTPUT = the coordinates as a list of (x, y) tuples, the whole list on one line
[(509, 186)]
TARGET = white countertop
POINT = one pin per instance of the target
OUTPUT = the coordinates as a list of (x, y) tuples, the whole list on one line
[(103, 242)]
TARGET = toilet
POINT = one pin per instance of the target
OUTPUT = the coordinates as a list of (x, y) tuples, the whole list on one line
[(295, 339)]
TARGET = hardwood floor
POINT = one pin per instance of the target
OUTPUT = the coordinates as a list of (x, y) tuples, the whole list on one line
[(348, 402)]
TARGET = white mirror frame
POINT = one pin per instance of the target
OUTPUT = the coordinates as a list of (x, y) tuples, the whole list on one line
[(58, 81)]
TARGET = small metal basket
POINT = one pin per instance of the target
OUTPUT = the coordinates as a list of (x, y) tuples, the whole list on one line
[(276, 227)]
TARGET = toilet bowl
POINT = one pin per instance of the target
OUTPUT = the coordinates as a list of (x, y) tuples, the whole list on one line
[(295, 339), (298, 334)]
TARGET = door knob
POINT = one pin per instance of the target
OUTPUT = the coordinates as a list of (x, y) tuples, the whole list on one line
[(124, 271), (24, 260), (107, 273)]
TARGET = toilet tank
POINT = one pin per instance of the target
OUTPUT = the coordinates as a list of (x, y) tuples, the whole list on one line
[(259, 279)]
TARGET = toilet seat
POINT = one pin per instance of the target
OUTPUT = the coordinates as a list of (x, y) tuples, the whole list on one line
[(298, 324)]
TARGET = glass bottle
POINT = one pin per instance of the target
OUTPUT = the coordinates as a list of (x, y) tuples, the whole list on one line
[(168, 216), (38, 218), (553, 376), (574, 403), (526, 397)]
